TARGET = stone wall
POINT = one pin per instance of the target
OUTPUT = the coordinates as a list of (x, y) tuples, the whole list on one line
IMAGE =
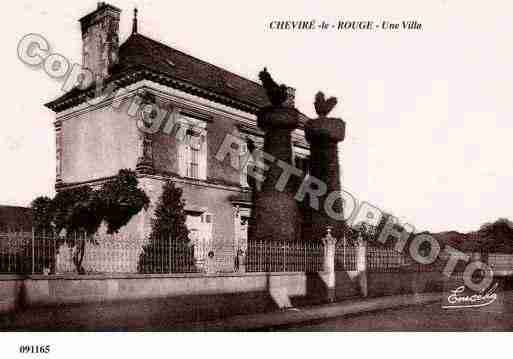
[(11, 292), (35, 291), (382, 284)]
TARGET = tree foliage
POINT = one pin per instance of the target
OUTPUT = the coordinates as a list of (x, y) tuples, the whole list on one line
[(42, 211), (496, 236), (362, 230), (169, 218), (83, 209), (501, 228), (168, 231), (120, 200)]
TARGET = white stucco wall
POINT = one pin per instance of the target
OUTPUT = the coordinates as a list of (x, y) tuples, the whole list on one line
[(97, 142)]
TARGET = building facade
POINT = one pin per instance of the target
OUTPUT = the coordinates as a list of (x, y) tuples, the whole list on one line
[(99, 131)]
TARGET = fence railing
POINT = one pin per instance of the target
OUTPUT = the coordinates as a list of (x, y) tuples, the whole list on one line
[(24, 252), (386, 260), (345, 256), (42, 253), (171, 257), (500, 262), (284, 256)]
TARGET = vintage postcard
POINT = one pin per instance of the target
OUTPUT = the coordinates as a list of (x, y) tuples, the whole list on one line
[(235, 166)]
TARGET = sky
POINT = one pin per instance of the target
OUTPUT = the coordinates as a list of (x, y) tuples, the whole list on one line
[(428, 113)]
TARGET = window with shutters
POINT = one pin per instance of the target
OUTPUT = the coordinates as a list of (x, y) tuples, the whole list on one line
[(194, 158), (192, 150), (248, 161)]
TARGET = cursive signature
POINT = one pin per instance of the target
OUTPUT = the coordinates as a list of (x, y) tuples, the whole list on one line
[(459, 300)]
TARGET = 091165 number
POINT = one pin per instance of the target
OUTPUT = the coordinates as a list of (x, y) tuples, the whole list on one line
[(34, 349)]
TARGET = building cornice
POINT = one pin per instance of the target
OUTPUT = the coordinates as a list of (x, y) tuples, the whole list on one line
[(210, 183), (141, 73), (188, 104)]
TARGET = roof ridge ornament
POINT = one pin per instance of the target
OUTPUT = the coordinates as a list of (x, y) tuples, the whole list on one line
[(134, 22)]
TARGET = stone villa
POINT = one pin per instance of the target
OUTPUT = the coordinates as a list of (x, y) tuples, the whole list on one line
[(97, 138)]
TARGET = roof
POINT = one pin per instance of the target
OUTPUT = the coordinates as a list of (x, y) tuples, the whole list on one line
[(15, 218), (141, 50), (154, 60)]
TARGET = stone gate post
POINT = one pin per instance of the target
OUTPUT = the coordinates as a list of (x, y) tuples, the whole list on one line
[(329, 243), (361, 264)]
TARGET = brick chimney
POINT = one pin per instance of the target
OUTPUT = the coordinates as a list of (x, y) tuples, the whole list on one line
[(100, 39)]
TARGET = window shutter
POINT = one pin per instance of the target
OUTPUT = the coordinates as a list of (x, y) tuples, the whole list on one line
[(188, 156), (243, 155), (203, 156), (192, 149), (58, 154), (182, 156)]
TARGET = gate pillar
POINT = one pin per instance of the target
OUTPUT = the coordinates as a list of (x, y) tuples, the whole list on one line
[(361, 264), (329, 243)]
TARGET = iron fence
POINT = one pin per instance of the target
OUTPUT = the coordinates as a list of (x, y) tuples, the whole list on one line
[(377, 260), (26, 252), (385, 260), (41, 253), (500, 262), (345, 256), (389, 260), (171, 257), (284, 256)]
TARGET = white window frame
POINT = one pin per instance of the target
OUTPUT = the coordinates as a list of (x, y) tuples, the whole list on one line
[(194, 134), (246, 159)]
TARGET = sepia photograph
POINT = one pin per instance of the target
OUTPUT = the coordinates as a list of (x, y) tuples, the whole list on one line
[(235, 166)]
